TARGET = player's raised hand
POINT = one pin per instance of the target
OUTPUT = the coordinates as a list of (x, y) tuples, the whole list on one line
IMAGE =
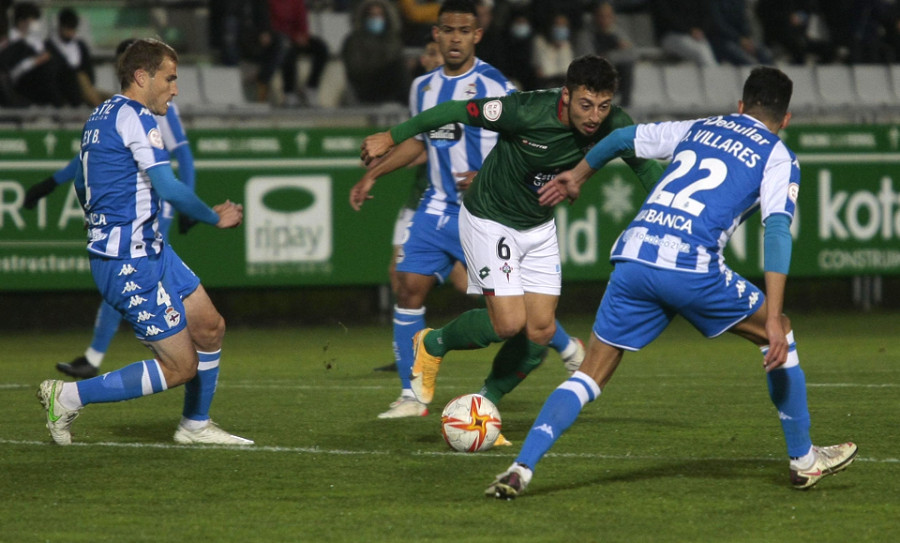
[(375, 146), (464, 179), (562, 187), (778, 345), (230, 214), (38, 191), (360, 192)]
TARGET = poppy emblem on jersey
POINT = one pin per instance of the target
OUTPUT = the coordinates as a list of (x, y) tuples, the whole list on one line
[(155, 138), (492, 110), (793, 192), (472, 109), (507, 269)]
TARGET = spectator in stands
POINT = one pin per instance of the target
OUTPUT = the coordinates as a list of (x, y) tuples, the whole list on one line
[(287, 37), (682, 28), (33, 72), (874, 31), (236, 28), (604, 38), (786, 26), (417, 16), (553, 52), (373, 55), (732, 38), (492, 48), (76, 67), (519, 64)]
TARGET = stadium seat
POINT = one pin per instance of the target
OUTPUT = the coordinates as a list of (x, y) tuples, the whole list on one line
[(722, 85), (873, 85), (222, 85), (684, 88), (895, 81), (835, 83), (105, 78), (648, 93), (190, 94), (806, 95)]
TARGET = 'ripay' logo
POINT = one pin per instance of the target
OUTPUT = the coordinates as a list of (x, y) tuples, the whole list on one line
[(288, 219)]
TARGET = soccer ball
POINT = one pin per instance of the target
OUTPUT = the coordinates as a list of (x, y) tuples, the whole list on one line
[(470, 423)]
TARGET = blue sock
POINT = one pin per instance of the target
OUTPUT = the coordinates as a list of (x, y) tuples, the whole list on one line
[(560, 339), (559, 412), (406, 323), (199, 391), (787, 388), (133, 381), (105, 327)]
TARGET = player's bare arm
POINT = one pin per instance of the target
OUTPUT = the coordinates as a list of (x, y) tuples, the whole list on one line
[(778, 345), (375, 146), (407, 152), (566, 185), (464, 179)]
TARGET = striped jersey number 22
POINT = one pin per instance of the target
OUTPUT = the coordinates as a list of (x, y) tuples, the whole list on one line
[(682, 199)]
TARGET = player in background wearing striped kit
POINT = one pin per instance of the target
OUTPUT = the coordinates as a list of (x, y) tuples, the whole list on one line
[(455, 154), (669, 262)]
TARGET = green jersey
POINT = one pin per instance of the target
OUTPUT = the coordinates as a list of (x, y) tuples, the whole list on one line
[(533, 147)]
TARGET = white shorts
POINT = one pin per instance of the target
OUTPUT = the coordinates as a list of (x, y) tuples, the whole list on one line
[(503, 261), (403, 217)]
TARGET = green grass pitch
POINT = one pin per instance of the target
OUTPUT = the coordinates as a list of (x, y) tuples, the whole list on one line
[(683, 445)]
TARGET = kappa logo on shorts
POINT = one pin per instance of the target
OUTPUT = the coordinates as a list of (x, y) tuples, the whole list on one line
[(136, 300), (145, 316), (153, 330), (130, 286), (484, 272), (753, 298), (127, 269), (741, 287)]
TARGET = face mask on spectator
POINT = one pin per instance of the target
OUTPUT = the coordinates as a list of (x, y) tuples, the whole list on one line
[(560, 33), (375, 25), (520, 30), (36, 30)]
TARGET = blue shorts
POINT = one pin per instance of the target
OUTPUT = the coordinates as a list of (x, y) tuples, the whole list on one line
[(640, 301), (147, 291), (432, 245)]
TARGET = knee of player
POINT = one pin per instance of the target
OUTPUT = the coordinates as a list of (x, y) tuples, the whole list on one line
[(208, 336), (507, 328)]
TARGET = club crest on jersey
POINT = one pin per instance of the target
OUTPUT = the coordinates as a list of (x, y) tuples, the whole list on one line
[(155, 138), (492, 110), (507, 269), (172, 316), (793, 192), (471, 90)]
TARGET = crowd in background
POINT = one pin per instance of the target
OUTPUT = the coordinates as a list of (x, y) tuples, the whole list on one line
[(531, 41)]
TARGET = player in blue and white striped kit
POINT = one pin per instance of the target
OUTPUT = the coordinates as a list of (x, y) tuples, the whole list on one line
[(669, 262), (125, 176), (106, 324), (455, 153)]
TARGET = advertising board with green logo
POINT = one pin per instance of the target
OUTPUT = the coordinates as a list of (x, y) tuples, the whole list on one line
[(300, 230)]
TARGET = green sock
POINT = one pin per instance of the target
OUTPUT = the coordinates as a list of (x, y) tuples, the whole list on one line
[(471, 330), (514, 361)]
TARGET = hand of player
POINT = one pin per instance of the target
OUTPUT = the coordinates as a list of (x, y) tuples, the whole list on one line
[(464, 179), (562, 187), (360, 192), (778, 345), (185, 223), (375, 146), (37, 191), (230, 214)]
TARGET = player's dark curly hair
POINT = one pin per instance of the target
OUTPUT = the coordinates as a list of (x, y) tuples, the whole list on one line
[(147, 54), (593, 72), (767, 93)]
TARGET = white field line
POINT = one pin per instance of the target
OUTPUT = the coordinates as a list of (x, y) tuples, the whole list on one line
[(392, 386), (343, 452)]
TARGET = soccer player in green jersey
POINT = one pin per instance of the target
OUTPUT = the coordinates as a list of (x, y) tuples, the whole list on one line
[(508, 238)]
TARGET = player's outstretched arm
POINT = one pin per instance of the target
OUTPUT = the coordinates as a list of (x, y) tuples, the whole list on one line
[(401, 155), (41, 190), (375, 146), (566, 185), (179, 195), (777, 259)]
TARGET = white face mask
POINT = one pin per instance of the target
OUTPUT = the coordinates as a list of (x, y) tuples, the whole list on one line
[(36, 29)]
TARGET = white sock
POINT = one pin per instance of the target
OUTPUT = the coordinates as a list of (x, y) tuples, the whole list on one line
[(193, 425), (69, 397), (570, 349), (94, 357), (804, 462)]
